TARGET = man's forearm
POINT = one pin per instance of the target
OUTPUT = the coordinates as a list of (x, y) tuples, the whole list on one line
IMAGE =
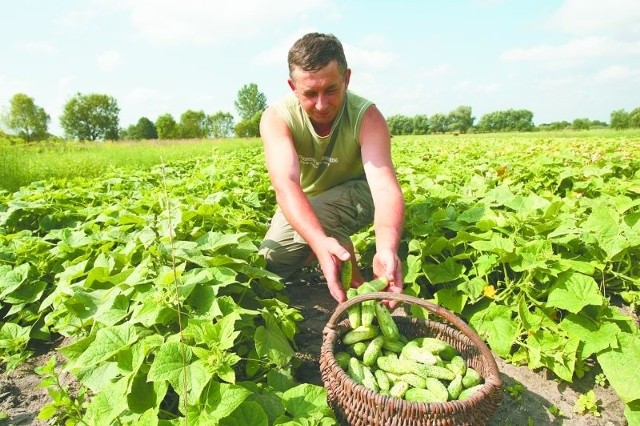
[(388, 222), (299, 213)]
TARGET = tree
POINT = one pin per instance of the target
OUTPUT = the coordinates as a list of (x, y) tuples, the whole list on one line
[(167, 127), (556, 125), (249, 128), (193, 124), (620, 119), (250, 102), (420, 124), (460, 119), (220, 124), (634, 118), (90, 117), (28, 120), (438, 123), (144, 129), (581, 124), (507, 121), (400, 125)]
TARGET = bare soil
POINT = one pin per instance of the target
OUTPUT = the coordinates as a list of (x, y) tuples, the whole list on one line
[(21, 399)]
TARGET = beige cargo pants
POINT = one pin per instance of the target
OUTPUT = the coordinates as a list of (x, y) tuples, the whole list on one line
[(343, 210)]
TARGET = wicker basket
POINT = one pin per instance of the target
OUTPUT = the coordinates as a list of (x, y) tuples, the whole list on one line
[(355, 405)]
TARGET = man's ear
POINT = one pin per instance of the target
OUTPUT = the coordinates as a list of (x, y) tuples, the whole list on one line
[(293, 86), (347, 77)]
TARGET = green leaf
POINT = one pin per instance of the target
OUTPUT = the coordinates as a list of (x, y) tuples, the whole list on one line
[(443, 272), (107, 405), (305, 399), (145, 395), (604, 224), (632, 410), (248, 413), (451, 299), (270, 402), (622, 366), (596, 334), (280, 380), (497, 244), (272, 343), (556, 352), (107, 343), (573, 291), (222, 399), (168, 363), (496, 326)]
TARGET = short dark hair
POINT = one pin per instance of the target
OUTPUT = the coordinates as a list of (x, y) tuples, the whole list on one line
[(314, 51)]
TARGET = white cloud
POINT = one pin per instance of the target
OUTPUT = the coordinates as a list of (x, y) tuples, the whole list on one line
[(587, 17), (142, 95), (469, 87), (207, 22), (39, 47), (359, 58), (441, 70), (617, 73), (574, 51), (109, 60)]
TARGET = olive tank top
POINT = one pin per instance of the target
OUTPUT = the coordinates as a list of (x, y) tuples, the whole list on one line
[(326, 161)]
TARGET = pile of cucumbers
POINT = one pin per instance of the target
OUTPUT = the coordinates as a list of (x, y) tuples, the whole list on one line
[(376, 355)]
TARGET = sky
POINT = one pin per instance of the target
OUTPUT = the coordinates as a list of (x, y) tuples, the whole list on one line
[(560, 59)]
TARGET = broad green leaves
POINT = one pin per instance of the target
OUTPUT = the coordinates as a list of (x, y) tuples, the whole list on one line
[(529, 241)]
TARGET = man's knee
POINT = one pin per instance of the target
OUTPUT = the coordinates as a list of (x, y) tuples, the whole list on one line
[(281, 261)]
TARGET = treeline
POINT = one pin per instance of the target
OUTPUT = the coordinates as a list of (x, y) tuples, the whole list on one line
[(96, 117), (461, 120)]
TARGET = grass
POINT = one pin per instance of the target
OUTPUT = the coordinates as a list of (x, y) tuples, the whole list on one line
[(21, 164)]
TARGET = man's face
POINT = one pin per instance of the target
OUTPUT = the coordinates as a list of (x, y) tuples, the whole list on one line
[(321, 92)]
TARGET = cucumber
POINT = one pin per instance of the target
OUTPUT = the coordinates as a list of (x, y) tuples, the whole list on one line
[(399, 389), (346, 274), (355, 370), (342, 358), (358, 348), (415, 353), (378, 284), (387, 325), (373, 351), (414, 380), (466, 393), (454, 388), (471, 378), (354, 311), (367, 312), (382, 379), (438, 372), (438, 388), (360, 334), (457, 365), (420, 395)]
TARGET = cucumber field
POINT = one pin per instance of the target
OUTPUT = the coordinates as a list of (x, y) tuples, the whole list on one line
[(146, 282)]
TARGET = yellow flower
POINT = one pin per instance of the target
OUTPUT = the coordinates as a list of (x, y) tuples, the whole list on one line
[(490, 291)]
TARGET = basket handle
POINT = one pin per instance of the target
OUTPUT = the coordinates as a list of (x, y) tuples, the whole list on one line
[(432, 307)]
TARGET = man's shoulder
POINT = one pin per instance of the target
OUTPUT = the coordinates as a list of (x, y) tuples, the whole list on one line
[(356, 99), (286, 101)]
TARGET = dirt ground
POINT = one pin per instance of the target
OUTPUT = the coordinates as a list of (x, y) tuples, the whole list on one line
[(21, 398)]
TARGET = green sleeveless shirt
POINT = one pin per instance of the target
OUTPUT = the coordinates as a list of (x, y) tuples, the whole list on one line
[(322, 166)]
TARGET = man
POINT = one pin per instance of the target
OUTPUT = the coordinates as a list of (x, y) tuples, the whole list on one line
[(329, 159)]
